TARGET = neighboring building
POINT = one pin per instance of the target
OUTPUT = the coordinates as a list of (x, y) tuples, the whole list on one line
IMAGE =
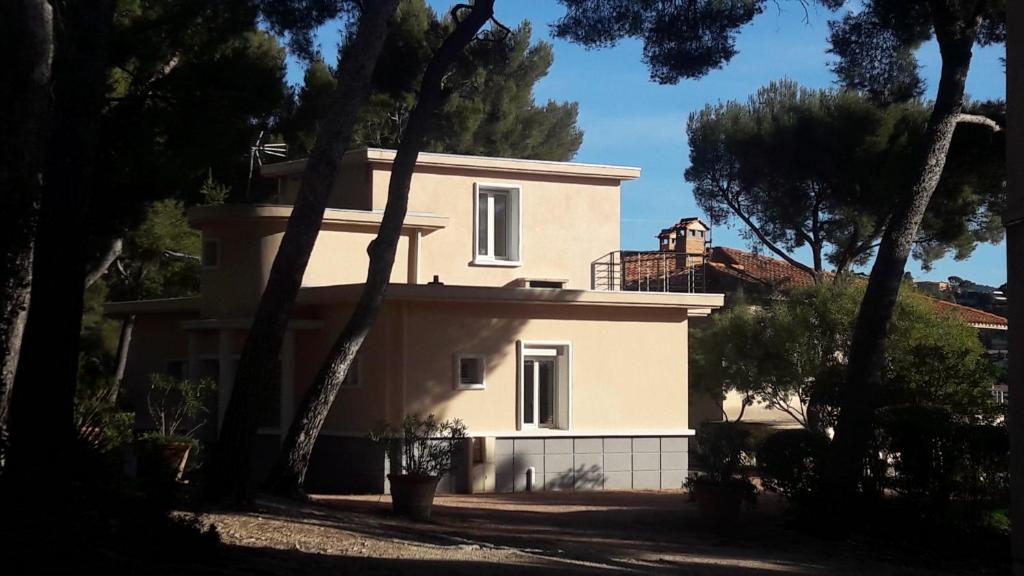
[(733, 272), (501, 312), (933, 288), (982, 297)]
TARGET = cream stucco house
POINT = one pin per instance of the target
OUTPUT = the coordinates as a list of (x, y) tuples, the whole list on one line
[(506, 310)]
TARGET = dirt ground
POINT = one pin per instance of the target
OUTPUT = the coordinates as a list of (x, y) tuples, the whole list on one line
[(538, 533)]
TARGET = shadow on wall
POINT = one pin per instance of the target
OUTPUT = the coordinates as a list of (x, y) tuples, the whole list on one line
[(458, 329), (580, 478), (491, 329)]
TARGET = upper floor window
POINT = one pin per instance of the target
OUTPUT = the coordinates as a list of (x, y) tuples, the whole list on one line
[(497, 224)]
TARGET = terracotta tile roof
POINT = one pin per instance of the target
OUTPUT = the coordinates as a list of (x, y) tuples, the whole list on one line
[(681, 225), (972, 316), (751, 267), (781, 275)]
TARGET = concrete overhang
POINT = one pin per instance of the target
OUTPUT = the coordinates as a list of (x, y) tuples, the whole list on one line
[(700, 304), (334, 218), (482, 163), (163, 305)]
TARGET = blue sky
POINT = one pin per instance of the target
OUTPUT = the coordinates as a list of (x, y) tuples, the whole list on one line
[(627, 119)]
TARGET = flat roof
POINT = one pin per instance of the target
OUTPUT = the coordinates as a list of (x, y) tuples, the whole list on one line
[(482, 163), (699, 303)]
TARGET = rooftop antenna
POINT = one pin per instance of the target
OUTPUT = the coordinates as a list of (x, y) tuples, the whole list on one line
[(256, 152)]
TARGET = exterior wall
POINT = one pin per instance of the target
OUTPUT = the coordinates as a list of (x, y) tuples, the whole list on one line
[(351, 187), (156, 339), (345, 465), (247, 251), (629, 367), (592, 463), (567, 223)]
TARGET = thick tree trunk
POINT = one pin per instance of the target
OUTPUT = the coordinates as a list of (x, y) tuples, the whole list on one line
[(26, 59), (867, 353), (1014, 219), (42, 404), (289, 473), (259, 366)]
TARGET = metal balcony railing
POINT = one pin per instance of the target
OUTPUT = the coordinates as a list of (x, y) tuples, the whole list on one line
[(650, 271)]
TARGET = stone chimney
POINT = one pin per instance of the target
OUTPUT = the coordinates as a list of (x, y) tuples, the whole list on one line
[(689, 236)]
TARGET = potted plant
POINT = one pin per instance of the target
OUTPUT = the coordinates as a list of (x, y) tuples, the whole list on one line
[(178, 409), (424, 451), (720, 487)]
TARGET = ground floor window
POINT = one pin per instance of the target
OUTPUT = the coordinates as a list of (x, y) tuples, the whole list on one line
[(545, 385)]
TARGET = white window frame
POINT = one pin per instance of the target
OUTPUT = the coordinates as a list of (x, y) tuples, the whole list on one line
[(457, 368), (542, 348), (515, 192), (202, 254)]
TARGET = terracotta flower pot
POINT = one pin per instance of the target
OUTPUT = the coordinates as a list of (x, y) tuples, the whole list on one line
[(413, 495), (719, 504), (163, 460)]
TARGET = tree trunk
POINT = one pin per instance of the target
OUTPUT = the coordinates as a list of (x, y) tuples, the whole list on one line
[(289, 472), (867, 352), (1014, 219), (124, 342), (259, 365), (108, 258), (42, 403), (26, 47)]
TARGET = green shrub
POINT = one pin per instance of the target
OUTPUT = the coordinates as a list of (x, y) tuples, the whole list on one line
[(723, 449), (791, 462), (177, 406), (935, 457), (984, 468), (422, 447), (919, 442)]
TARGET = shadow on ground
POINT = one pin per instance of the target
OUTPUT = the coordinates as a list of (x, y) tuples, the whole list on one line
[(559, 533)]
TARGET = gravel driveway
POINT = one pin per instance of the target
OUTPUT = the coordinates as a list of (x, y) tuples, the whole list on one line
[(538, 533)]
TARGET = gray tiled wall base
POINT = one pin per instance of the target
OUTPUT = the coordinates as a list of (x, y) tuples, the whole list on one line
[(609, 463)]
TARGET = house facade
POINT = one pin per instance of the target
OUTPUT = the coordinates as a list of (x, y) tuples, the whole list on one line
[(497, 314)]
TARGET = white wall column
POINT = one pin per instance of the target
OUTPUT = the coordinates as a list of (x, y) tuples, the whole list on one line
[(414, 257)]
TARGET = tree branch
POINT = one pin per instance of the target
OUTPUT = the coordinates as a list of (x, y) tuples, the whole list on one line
[(113, 252), (180, 255), (764, 239), (979, 120)]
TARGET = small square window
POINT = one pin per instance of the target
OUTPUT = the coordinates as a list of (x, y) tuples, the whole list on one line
[(211, 253), (177, 369), (470, 371)]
